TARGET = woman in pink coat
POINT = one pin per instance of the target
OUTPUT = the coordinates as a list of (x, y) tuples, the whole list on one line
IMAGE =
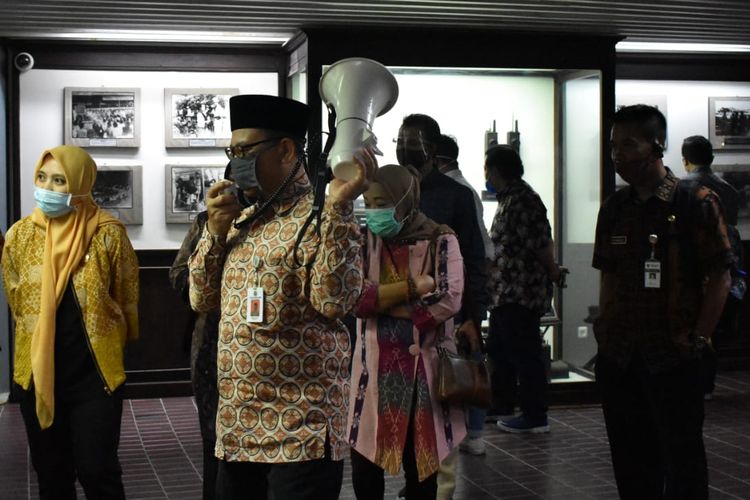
[(413, 288)]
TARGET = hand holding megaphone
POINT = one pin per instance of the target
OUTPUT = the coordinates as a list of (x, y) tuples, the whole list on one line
[(362, 167), (359, 90)]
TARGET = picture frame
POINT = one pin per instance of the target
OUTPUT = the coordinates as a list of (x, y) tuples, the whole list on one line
[(197, 118), (186, 187), (119, 190), (738, 176), (729, 122), (102, 117)]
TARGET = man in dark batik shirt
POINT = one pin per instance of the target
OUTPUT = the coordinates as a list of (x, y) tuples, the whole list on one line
[(662, 247), (521, 275), (697, 157)]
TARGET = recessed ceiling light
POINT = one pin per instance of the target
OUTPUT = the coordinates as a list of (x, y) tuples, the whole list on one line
[(679, 47), (167, 36)]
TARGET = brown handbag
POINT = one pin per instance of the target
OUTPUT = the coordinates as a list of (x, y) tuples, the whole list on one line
[(462, 381)]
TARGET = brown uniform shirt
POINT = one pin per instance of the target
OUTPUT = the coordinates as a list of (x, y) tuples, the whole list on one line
[(692, 243)]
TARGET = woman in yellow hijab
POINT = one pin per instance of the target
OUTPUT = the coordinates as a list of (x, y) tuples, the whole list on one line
[(71, 277)]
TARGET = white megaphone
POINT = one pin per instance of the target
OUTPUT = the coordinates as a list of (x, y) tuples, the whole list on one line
[(359, 89)]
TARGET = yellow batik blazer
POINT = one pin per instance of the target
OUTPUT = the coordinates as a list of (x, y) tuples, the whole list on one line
[(106, 292)]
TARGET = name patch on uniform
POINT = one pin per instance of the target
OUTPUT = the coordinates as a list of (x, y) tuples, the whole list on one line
[(618, 240)]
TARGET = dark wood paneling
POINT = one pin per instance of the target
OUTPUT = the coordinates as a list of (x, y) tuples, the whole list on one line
[(151, 57), (462, 48), (695, 67), (159, 360)]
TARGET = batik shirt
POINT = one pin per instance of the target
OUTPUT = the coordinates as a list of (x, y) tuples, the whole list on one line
[(520, 230), (283, 382), (691, 243)]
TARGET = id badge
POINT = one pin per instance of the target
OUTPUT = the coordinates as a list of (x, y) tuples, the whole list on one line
[(652, 274), (255, 305)]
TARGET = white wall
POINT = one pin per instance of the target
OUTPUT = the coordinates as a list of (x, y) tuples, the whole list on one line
[(582, 158), (465, 106), (41, 127), (687, 114)]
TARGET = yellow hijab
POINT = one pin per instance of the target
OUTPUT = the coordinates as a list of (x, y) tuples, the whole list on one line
[(66, 242)]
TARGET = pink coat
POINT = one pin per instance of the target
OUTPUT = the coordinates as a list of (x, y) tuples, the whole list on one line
[(377, 433)]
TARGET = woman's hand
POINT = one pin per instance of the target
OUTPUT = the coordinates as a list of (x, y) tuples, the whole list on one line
[(222, 208), (350, 190), (425, 284)]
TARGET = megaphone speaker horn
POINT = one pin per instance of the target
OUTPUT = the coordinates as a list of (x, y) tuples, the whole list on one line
[(359, 90)]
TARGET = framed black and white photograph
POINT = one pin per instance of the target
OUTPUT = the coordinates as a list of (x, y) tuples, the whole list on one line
[(186, 190), (118, 189), (102, 117), (729, 122), (197, 118)]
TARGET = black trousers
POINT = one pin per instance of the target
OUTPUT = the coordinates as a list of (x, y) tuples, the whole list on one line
[(207, 400), (726, 328), (655, 428), (519, 375), (82, 442), (311, 480), (369, 480)]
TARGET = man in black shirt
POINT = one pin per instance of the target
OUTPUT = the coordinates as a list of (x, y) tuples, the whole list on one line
[(697, 157), (447, 202)]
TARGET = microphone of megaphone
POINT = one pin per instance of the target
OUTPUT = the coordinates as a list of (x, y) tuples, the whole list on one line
[(359, 90)]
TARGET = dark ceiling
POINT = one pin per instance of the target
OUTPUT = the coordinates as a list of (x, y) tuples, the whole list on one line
[(714, 21)]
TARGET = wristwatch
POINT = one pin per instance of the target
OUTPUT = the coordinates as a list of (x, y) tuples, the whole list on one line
[(701, 342)]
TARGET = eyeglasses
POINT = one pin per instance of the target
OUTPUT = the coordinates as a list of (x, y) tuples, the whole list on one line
[(242, 151), (411, 141)]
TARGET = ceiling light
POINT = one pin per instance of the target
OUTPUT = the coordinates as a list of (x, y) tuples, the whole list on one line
[(679, 47), (168, 36)]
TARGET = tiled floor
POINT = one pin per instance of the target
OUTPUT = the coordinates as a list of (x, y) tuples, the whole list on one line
[(160, 453)]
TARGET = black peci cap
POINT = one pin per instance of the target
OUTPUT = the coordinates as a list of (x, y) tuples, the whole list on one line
[(269, 112)]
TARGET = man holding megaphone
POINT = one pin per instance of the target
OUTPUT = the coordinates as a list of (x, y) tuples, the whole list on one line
[(283, 353)]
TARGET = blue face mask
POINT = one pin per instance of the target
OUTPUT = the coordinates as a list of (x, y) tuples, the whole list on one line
[(382, 221), (52, 203), (490, 188), (244, 171)]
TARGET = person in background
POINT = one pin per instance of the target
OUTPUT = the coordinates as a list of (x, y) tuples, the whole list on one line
[(448, 202), (446, 160), (520, 283), (283, 375), (651, 330), (71, 278), (413, 288), (697, 157), (205, 330)]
